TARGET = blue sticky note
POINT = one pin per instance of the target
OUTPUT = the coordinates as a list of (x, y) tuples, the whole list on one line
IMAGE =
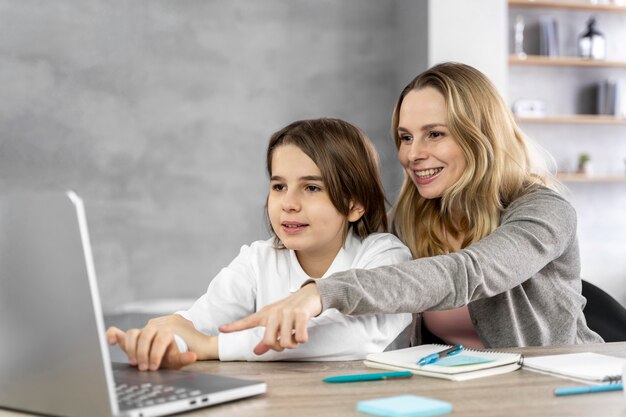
[(404, 406), (461, 360)]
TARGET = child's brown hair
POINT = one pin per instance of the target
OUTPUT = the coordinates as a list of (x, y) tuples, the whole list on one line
[(349, 165)]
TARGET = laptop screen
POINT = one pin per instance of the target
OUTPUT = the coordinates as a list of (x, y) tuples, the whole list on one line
[(54, 358)]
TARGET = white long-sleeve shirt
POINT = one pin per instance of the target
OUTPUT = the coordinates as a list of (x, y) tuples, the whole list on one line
[(262, 274)]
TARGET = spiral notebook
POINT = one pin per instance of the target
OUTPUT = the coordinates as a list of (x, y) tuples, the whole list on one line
[(468, 364), (586, 367)]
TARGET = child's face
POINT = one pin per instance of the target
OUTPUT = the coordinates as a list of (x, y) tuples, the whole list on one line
[(428, 152), (300, 210)]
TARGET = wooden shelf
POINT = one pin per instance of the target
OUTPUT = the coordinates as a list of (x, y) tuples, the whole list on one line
[(570, 61), (574, 118), (590, 178), (568, 5)]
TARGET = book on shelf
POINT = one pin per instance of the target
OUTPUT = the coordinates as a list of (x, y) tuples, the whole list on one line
[(591, 368), (468, 364), (548, 36), (620, 98), (610, 98)]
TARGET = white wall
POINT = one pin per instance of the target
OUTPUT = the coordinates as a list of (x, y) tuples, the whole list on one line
[(472, 32)]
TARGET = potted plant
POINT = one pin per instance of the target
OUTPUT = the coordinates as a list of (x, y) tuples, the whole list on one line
[(584, 164)]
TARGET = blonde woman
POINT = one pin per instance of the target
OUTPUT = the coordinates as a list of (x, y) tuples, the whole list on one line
[(496, 252)]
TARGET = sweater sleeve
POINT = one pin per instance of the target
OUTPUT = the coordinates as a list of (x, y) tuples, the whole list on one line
[(535, 230)]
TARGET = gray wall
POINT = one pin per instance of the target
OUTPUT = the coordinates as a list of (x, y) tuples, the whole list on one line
[(158, 114)]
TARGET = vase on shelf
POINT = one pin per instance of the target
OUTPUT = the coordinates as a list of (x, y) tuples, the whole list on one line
[(519, 37), (592, 44)]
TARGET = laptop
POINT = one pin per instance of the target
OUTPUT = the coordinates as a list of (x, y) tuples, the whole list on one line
[(54, 358)]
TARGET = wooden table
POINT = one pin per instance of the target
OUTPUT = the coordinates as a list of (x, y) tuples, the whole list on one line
[(296, 389)]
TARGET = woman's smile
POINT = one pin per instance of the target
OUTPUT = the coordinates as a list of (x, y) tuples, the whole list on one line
[(425, 176)]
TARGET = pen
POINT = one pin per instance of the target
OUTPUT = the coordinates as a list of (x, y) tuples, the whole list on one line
[(434, 357), (368, 377), (587, 389)]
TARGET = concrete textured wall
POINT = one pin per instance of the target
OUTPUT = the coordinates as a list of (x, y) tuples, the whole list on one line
[(158, 114)]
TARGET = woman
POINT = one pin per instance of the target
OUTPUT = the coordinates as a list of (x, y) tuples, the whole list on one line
[(497, 261)]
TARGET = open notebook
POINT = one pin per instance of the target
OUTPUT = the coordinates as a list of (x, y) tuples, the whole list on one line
[(586, 367), (468, 364)]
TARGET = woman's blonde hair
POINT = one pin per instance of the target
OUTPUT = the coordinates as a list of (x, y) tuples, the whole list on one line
[(498, 164), (349, 165)]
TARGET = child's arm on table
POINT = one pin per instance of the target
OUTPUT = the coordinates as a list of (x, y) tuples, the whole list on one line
[(231, 294)]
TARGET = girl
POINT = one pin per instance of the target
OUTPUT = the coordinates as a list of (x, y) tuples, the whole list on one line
[(325, 207), (497, 253)]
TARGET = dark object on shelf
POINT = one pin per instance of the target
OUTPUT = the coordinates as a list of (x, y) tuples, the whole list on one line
[(548, 39), (591, 44), (608, 100)]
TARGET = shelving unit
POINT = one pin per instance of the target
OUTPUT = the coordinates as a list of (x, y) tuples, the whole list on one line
[(563, 177), (569, 61), (566, 84), (572, 62), (574, 118), (567, 5)]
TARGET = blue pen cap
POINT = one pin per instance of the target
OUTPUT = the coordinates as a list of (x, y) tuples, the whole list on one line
[(427, 360), (434, 357)]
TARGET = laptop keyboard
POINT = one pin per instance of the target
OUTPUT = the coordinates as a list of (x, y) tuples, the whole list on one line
[(147, 394)]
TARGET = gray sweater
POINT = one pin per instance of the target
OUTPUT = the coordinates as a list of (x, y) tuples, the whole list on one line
[(521, 283)]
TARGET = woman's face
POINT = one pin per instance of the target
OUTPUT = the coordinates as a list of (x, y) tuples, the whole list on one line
[(428, 152)]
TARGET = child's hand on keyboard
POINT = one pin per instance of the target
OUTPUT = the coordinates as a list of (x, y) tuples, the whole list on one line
[(155, 347)]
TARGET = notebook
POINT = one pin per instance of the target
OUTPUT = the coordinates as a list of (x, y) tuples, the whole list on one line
[(468, 364), (54, 358), (586, 367)]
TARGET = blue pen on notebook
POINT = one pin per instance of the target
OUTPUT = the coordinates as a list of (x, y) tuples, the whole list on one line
[(368, 377), (588, 389), (434, 357)]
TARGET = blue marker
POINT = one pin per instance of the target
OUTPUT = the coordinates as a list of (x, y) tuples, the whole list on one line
[(434, 357), (587, 389), (368, 377)]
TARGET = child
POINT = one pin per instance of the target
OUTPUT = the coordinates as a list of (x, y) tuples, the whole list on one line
[(325, 205)]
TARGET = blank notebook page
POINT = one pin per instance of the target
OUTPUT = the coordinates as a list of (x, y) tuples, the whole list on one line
[(586, 366)]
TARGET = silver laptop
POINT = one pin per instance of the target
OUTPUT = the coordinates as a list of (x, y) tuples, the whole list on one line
[(54, 358)]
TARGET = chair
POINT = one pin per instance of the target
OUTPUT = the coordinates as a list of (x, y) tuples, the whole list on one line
[(605, 315)]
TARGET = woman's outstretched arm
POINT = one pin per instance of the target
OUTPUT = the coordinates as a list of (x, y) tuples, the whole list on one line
[(285, 321)]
